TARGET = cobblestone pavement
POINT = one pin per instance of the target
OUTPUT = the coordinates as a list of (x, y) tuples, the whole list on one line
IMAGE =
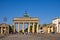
[(30, 37)]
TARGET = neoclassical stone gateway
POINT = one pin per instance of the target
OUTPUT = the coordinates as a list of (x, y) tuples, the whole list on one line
[(4, 28), (28, 20)]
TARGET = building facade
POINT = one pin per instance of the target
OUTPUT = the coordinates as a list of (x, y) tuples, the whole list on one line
[(57, 22), (4, 29), (49, 28)]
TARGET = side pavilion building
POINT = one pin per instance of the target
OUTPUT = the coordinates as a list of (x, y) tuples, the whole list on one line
[(57, 22), (4, 28)]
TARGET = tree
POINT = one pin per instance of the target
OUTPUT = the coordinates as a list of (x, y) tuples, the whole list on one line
[(10, 29), (27, 29), (31, 28), (44, 25)]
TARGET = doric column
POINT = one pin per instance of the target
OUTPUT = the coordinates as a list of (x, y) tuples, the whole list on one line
[(14, 27), (49, 30), (57, 28), (37, 28), (33, 28), (18, 27), (1, 30), (23, 27), (28, 27)]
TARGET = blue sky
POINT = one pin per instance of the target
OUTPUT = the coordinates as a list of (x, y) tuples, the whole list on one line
[(45, 10)]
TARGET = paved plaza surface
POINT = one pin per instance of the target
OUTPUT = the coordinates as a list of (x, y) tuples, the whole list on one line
[(30, 37)]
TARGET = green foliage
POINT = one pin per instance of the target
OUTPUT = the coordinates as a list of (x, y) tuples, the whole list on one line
[(10, 29), (44, 25), (20, 30), (31, 28)]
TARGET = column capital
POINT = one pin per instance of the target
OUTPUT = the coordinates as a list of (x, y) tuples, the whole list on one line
[(14, 23)]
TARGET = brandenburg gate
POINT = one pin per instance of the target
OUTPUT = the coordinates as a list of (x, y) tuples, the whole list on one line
[(28, 20)]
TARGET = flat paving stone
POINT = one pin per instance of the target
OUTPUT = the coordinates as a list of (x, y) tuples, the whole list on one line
[(31, 37)]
